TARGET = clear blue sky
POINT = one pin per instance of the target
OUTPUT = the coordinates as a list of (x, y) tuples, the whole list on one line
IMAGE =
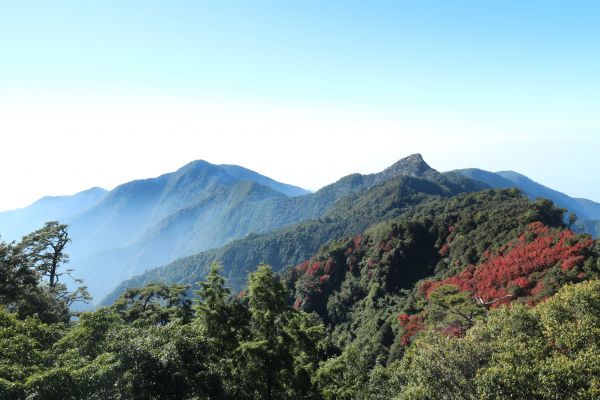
[(493, 84)]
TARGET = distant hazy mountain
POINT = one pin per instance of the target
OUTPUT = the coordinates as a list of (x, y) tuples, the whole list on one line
[(587, 211), (361, 201), (152, 221), (131, 209), (16, 223)]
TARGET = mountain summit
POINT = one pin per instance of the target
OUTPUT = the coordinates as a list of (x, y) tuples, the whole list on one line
[(413, 165)]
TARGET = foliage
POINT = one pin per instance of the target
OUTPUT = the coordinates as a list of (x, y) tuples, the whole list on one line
[(548, 352), (30, 273), (156, 303), (404, 309)]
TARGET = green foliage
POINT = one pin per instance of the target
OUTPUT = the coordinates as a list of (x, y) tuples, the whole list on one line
[(449, 307), (280, 355), (30, 273), (549, 352), (156, 303), (354, 321)]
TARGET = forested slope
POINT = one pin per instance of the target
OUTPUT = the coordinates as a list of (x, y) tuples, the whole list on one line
[(474, 296), (290, 245)]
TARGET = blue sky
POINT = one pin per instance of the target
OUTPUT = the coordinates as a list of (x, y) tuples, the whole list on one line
[(150, 85)]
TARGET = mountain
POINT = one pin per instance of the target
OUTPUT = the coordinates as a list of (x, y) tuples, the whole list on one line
[(147, 223), (467, 296), (361, 201), (130, 210), (235, 213), (16, 223), (587, 211), (156, 220), (435, 240)]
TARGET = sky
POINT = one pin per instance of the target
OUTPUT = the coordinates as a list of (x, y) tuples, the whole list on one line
[(97, 93)]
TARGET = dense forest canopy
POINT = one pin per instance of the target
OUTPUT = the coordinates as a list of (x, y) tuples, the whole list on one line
[(473, 296)]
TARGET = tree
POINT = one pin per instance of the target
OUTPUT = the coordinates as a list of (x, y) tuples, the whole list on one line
[(45, 251), (281, 353), (572, 220), (223, 318), (551, 351), (343, 377), (265, 353), (449, 307), (17, 279), (155, 304)]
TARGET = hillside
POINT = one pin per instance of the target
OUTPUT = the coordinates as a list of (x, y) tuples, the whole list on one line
[(290, 245), (152, 221), (222, 215), (129, 210), (413, 307), (437, 270), (587, 211)]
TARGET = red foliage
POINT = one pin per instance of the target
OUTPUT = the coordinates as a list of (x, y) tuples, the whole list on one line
[(453, 330), (535, 251), (298, 303), (324, 278), (444, 250), (303, 266), (385, 245), (425, 287), (411, 324), (314, 268)]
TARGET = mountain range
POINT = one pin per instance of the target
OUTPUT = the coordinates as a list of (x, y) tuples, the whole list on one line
[(173, 226), (153, 221), (587, 211)]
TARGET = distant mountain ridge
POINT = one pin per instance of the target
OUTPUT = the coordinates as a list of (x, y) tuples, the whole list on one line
[(367, 199), (150, 222), (215, 221), (104, 223), (587, 211), (19, 222)]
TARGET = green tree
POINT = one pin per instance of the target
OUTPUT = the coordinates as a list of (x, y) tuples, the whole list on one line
[(155, 303), (282, 351), (448, 307), (25, 349), (344, 377), (547, 352), (30, 274), (224, 319), (44, 250)]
